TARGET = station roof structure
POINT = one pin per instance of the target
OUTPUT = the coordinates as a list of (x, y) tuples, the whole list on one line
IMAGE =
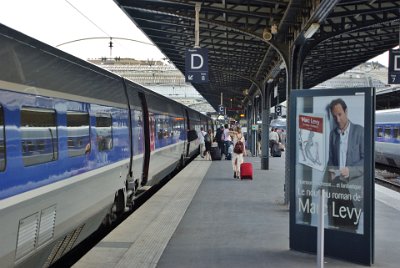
[(250, 43)]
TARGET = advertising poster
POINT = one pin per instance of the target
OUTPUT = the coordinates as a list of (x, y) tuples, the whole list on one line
[(331, 150), (330, 155), (311, 140)]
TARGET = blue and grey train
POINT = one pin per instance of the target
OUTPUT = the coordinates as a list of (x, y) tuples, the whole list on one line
[(76, 144), (387, 137)]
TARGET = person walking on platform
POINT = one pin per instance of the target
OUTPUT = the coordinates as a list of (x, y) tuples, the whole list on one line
[(201, 135), (239, 150), (219, 138), (273, 139), (259, 135), (227, 142), (208, 141)]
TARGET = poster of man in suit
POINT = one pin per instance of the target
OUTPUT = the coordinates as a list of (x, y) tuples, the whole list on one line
[(330, 155)]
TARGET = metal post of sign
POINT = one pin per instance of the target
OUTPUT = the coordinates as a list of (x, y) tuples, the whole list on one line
[(197, 26), (321, 224), (222, 99)]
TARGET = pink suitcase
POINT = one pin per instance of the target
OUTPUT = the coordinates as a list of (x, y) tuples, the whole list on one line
[(246, 171)]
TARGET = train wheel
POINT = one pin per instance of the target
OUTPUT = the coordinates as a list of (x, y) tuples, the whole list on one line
[(116, 210), (111, 217)]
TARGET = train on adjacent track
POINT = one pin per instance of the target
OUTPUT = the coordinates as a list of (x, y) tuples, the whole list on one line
[(387, 137), (76, 144)]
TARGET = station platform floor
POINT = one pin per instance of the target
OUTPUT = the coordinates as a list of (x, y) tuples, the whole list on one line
[(205, 218)]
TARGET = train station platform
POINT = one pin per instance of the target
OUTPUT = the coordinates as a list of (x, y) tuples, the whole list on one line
[(205, 218)]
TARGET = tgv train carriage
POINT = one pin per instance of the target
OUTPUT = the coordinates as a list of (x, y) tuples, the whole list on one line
[(76, 143), (387, 137)]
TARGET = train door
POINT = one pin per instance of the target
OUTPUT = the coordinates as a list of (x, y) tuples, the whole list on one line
[(146, 130), (187, 129), (130, 125)]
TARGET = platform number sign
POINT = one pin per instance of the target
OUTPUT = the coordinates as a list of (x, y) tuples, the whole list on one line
[(196, 65), (221, 109), (394, 66), (278, 110)]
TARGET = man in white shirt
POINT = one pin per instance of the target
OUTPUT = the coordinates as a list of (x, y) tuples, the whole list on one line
[(273, 138), (227, 140), (201, 135)]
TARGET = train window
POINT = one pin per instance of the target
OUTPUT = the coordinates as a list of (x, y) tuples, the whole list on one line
[(162, 128), (78, 133), (388, 133), (2, 143), (176, 127), (38, 136), (104, 133), (138, 135), (379, 132), (396, 133)]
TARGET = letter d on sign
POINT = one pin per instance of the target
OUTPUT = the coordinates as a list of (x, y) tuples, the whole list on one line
[(192, 65)]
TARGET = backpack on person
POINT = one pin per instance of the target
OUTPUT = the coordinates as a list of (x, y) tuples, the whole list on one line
[(238, 149)]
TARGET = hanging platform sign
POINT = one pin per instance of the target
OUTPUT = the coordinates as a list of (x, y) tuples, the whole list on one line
[(278, 110), (196, 65), (221, 109), (394, 66)]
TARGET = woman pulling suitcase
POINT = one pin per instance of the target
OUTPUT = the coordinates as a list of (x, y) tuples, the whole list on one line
[(239, 150)]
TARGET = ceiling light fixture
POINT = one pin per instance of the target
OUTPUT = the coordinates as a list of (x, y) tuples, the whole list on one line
[(267, 35)]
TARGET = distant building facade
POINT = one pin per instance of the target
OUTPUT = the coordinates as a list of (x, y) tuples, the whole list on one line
[(368, 74), (158, 76)]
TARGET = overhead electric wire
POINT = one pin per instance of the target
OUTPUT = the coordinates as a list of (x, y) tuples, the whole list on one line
[(100, 37), (98, 27), (86, 17)]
